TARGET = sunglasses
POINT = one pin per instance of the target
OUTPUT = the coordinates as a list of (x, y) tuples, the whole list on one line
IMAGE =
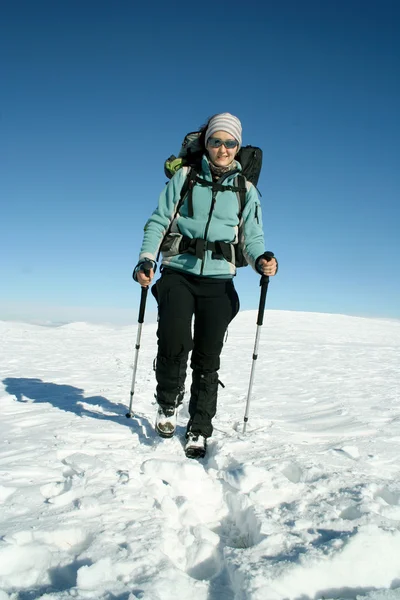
[(217, 143)]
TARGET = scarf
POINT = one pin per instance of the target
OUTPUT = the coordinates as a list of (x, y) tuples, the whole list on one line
[(217, 172)]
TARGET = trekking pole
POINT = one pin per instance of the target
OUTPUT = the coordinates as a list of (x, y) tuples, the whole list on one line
[(263, 295), (146, 270)]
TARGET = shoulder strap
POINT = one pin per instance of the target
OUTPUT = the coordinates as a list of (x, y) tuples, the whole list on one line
[(187, 186), (217, 187), (188, 189), (241, 193), (239, 187)]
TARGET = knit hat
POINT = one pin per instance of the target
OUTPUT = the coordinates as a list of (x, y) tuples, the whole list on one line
[(225, 122)]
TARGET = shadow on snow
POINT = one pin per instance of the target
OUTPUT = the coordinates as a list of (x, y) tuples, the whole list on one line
[(72, 399)]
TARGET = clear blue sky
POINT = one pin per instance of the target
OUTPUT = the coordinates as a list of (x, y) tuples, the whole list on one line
[(95, 95)]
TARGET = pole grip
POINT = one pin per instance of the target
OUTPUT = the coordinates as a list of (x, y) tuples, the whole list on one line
[(264, 282), (142, 307), (145, 267)]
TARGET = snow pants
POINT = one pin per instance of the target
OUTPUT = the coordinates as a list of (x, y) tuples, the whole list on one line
[(213, 303)]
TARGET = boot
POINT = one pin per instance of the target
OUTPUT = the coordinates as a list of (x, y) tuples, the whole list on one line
[(167, 415), (166, 421), (196, 445)]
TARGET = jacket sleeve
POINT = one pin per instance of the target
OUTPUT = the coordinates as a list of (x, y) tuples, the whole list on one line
[(159, 222), (251, 235)]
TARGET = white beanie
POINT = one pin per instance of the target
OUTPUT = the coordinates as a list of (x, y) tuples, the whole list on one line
[(225, 122)]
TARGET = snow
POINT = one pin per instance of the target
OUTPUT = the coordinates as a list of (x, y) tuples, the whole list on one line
[(305, 505)]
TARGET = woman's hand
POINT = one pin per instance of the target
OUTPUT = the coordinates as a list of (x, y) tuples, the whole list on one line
[(145, 278), (143, 273), (267, 267)]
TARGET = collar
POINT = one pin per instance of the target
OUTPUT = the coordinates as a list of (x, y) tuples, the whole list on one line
[(205, 167)]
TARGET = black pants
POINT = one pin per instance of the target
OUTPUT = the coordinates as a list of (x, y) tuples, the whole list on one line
[(213, 303)]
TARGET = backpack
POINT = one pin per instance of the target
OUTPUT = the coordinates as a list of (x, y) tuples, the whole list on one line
[(191, 152), (190, 155)]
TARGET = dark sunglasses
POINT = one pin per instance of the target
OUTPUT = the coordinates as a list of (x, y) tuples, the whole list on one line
[(217, 143)]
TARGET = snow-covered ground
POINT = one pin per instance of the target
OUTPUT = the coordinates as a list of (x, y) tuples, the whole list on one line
[(305, 505)]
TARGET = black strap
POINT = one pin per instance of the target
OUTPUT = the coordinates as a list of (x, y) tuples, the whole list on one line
[(190, 181), (198, 247), (192, 178), (188, 185), (219, 187), (241, 184)]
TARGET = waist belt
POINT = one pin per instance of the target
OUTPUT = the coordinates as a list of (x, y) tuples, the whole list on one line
[(199, 246)]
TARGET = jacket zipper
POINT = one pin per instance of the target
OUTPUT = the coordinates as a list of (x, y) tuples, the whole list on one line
[(214, 194)]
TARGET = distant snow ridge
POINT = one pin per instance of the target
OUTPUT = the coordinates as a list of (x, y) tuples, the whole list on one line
[(305, 506)]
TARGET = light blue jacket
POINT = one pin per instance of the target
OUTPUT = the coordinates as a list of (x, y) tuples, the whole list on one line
[(213, 221)]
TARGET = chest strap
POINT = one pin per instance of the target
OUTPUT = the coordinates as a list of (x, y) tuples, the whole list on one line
[(240, 189)]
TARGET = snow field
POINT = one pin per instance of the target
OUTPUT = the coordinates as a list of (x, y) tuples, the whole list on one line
[(305, 505)]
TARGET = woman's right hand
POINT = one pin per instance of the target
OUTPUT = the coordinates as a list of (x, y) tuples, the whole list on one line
[(144, 279)]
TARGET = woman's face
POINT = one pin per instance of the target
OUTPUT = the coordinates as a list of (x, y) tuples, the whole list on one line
[(222, 156)]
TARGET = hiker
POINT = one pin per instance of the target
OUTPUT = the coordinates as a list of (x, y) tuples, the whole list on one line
[(198, 237)]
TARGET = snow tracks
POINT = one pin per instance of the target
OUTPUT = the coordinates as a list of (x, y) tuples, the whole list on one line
[(305, 506)]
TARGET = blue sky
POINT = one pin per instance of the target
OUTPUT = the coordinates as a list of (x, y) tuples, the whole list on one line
[(95, 96)]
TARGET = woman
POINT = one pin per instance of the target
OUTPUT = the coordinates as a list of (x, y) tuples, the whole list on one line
[(197, 279)]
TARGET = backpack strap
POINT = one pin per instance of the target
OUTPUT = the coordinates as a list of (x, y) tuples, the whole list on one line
[(239, 187), (188, 189), (187, 186), (219, 187), (240, 181), (192, 178)]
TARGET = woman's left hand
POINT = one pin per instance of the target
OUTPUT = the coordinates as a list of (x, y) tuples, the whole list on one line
[(268, 267)]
